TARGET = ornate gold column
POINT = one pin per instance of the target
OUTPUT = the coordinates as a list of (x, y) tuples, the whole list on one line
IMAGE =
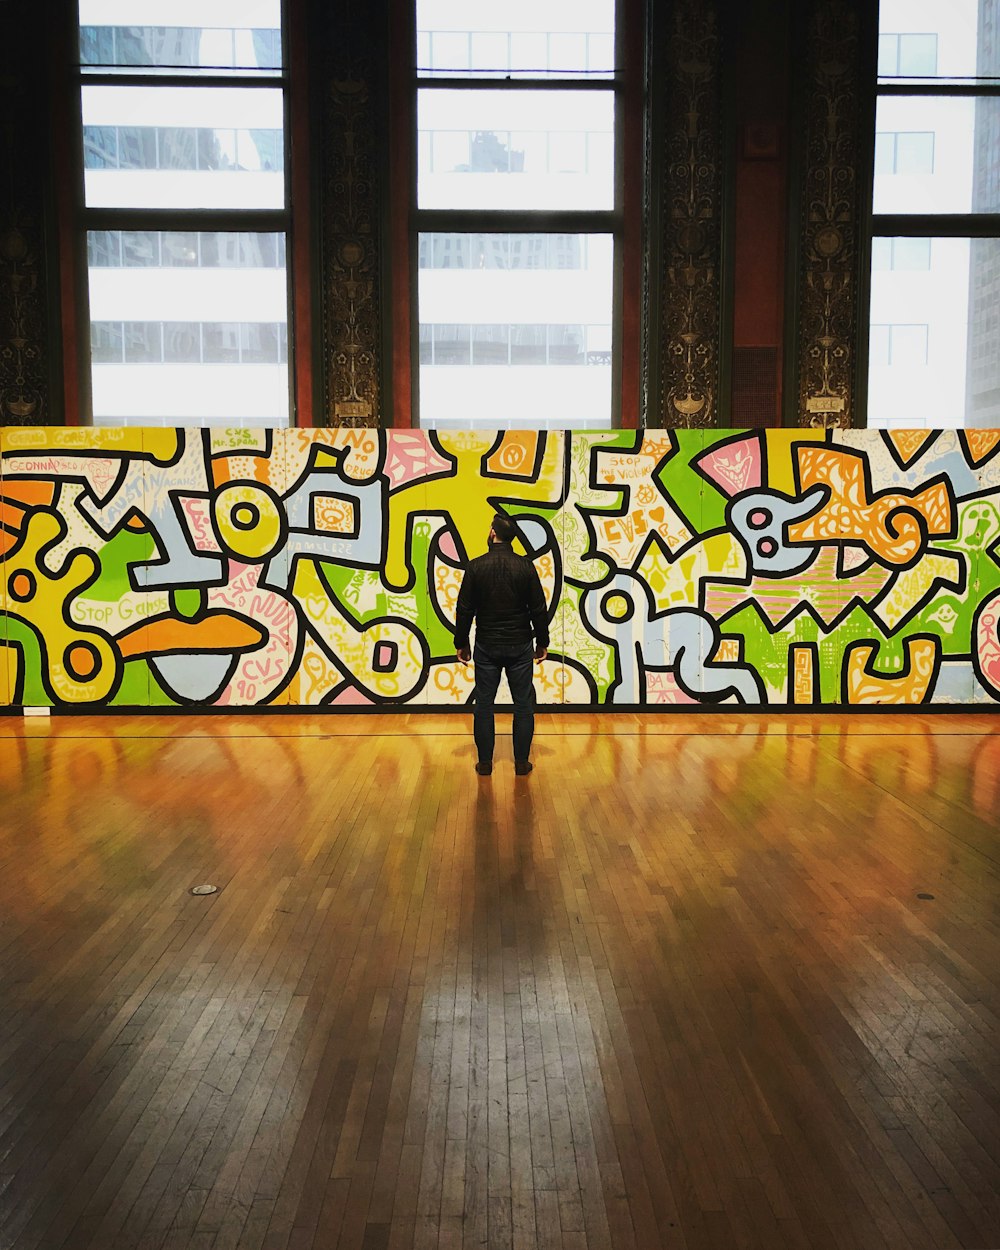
[(828, 314), (686, 163), (351, 194)]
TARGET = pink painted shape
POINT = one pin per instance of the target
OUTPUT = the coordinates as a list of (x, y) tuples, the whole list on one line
[(199, 522), (988, 643), (257, 672), (734, 467), (663, 688), (351, 695), (853, 557), (446, 545), (409, 457)]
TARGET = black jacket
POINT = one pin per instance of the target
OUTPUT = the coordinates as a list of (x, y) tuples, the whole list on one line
[(502, 591)]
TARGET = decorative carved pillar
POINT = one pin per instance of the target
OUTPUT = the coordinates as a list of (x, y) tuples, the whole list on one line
[(351, 214), (24, 346), (835, 147), (686, 155)]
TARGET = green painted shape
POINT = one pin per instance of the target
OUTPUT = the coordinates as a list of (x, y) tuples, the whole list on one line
[(767, 652), (350, 588), (188, 602), (679, 481), (702, 503), (127, 547), (596, 656), (137, 687), (21, 635)]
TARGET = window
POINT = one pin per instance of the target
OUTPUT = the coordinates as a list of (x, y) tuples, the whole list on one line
[(185, 208), (934, 352), (518, 219), (911, 254), (893, 346), (910, 55), (906, 152)]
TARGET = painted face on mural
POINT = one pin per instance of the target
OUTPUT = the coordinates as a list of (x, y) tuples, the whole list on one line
[(980, 525)]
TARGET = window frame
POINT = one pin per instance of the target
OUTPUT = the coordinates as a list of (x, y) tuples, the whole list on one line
[(622, 221), (74, 219), (911, 225)]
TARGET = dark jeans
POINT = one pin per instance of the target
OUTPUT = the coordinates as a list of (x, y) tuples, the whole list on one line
[(522, 692)]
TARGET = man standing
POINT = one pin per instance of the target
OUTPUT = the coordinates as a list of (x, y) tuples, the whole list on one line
[(502, 591)]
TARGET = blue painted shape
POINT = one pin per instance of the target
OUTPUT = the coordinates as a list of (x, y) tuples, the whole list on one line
[(363, 549), (193, 677), (760, 519), (622, 611)]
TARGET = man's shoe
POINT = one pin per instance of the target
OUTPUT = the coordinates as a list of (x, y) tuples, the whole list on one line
[(523, 767), (484, 768)]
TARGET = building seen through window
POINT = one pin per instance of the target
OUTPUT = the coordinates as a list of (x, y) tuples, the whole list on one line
[(515, 320), (934, 351), (183, 113)]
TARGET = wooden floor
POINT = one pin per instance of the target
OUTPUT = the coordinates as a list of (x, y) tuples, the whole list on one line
[(699, 981)]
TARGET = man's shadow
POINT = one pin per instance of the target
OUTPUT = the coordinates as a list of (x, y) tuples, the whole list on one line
[(504, 833)]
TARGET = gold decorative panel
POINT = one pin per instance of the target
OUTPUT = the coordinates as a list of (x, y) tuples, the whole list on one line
[(687, 146), (828, 317), (351, 218)]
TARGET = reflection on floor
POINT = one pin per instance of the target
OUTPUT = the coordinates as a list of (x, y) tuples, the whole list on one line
[(699, 980)]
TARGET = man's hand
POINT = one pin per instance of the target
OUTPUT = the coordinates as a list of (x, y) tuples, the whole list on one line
[(463, 655), (540, 654)]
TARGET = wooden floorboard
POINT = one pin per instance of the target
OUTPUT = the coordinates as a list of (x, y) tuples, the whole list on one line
[(681, 987)]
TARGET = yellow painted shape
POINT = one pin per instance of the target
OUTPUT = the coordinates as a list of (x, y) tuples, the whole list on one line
[(516, 454), (43, 606), (468, 498), (332, 515), (115, 440), (10, 671), (263, 536), (676, 583), (355, 648), (780, 446)]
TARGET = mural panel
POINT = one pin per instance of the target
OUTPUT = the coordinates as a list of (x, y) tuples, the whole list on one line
[(320, 568)]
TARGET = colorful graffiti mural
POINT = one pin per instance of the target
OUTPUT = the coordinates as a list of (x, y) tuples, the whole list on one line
[(224, 568)]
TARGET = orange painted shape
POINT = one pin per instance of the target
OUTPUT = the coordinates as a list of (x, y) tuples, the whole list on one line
[(979, 444), (219, 631), (909, 443), (36, 493), (864, 685), (803, 661), (889, 525), (516, 455)]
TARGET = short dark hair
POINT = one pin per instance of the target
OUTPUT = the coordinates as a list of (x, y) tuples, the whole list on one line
[(504, 528)]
